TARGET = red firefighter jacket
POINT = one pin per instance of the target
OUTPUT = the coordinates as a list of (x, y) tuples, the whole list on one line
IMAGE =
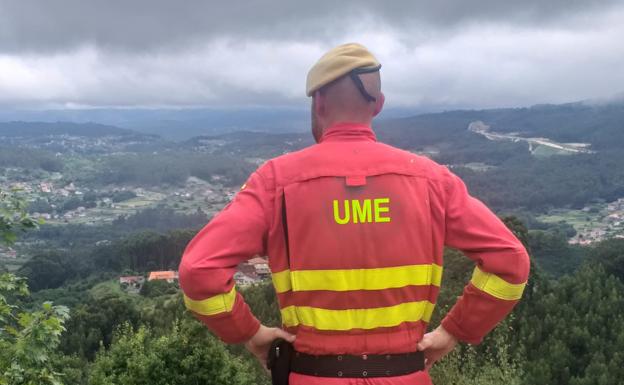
[(355, 231)]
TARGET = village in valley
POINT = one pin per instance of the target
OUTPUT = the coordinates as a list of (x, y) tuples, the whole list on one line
[(65, 203), (59, 196), (56, 202), (59, 176), (593, 223)]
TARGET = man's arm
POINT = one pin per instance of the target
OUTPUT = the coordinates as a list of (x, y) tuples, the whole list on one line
[(502, 264), (209, 262)]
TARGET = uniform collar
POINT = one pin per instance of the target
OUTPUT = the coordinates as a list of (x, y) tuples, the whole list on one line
[(348, 132)]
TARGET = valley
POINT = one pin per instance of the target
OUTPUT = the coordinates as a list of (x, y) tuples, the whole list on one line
[(92, 175), (117, 207)]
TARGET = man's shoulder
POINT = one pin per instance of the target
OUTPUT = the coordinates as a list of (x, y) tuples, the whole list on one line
[(268, 169), (386, 157), (416, 163)]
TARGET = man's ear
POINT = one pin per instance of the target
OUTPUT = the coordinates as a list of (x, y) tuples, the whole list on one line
[(379, 103)]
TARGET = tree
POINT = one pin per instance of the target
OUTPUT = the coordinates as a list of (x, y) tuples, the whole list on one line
[(93, 323), (27, 338), (553, 252), (491, 364), (157, 288), (14, 217), (573, 331), (610, 253), (184, 355), (48, 270)]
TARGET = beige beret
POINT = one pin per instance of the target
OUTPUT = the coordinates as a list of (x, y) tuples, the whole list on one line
[(338, 62)]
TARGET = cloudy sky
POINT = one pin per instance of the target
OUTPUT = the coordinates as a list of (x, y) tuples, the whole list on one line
[(439, 54)]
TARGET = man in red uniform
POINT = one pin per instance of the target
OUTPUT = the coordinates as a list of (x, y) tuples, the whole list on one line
[(354, 231)]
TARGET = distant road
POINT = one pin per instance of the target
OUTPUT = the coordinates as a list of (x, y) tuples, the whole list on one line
[(483, 129)]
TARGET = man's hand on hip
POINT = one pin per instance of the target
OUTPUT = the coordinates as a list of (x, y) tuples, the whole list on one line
[(260, 343), (436, 345)]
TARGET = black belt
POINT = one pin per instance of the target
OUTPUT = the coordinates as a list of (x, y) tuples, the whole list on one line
[(357, 366)]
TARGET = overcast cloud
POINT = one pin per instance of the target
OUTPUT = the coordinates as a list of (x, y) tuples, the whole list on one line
[(72, 53)]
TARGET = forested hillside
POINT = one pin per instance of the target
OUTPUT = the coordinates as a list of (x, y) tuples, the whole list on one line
[(116, 203), (566, 331), (512, 176)]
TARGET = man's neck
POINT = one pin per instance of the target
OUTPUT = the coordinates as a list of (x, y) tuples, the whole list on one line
[(348, 120)]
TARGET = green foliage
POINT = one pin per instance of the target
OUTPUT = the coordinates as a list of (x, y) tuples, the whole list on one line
[(27, 339), (146, 251), (569, 331), (182, 356), (68, 235), (73, 368), (143, 170), (48, 270), (124, 195), (491, 364), (553, 252), (14, 216), (160, 219), (572, 332), (29, 159), (162, 312), (558, 181), (93, 323), (170, 169), (610, 254), (263, 303), (157, 288), (72, 294), (139, 252)]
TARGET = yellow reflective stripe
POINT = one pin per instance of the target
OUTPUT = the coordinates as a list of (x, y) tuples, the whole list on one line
[(358, 279), (366, 279), (281, 281), (325, 319), (214, 305), (496, 286)]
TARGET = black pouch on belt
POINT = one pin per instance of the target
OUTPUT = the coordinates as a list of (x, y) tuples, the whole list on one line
[(278, 361)]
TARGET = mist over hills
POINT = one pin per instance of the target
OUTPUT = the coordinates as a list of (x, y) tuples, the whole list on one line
[(175, 124), (31, 129), (184, 123), (599, 123)]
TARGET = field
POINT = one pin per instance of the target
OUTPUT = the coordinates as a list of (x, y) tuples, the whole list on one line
[(478, 166), (593, 223), (579, 219), (546, 151)]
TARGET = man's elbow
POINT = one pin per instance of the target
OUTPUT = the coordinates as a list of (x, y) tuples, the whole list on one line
[(186, 274), (192, 278), (198, 281)]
